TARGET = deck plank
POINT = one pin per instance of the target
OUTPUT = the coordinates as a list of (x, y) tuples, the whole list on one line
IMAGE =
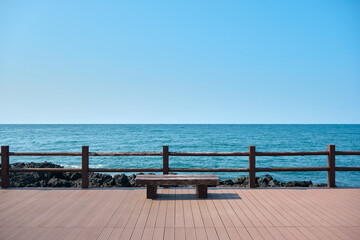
[(247, 211), (169, 233), (292, 209), (200, 233), (244, 233), (106, 233), (170, 211), (119, 211), (205, 214), (216, 199), (179, 209), (228, 213), (188, 213), (158, 233), (211, 234), (257, 202)]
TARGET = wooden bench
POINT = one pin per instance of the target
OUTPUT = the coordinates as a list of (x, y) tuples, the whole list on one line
[(201, 181)]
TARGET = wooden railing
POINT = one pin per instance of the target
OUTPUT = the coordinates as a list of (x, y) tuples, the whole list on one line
[(252, 169)]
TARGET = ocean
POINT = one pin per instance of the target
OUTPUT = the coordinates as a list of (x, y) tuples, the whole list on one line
[(193, 138)]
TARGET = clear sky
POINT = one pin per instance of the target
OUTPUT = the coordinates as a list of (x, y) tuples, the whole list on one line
[(180, 61)]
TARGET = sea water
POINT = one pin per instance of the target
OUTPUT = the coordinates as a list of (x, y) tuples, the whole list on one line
[(192, 138)]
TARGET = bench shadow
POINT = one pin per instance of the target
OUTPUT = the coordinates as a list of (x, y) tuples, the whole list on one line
[(211, 196)]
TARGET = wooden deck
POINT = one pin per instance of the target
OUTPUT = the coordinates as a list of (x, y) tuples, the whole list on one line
[(229, 213)]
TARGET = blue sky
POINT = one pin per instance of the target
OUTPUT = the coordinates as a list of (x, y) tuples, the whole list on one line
[(180, 61)]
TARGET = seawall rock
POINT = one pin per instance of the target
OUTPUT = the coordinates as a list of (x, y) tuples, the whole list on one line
[(30, 179)]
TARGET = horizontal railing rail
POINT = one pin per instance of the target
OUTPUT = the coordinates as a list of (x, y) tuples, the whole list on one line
[(252, 169)]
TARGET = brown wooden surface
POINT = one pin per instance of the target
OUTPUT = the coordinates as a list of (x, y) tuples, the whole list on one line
[(292, 169), (331, 166), (211, 154), (181, 153), (137, 170), (177, 180), (209, 169), (291, 153), (170, 176), (347, 152), (165, 159), (44, 169), (110, 154), (228, 213), (202, 191), (347, 168), (4, 166), (49, 154), (252, 167), (151, 191), (165, 162), (85, 167)]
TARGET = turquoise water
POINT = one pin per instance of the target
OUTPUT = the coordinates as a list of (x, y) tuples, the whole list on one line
[(194, 138)]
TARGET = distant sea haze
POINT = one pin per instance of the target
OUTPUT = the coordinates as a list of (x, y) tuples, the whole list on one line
[(194, 138)]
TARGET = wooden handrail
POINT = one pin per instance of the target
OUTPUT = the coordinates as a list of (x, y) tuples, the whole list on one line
[(293, 169), (85, 154), (209, 154), (45, 170), (291, 153), (347, 152), (43, 154), (193, 154), (125, 169), (209, 169), (119, 154)]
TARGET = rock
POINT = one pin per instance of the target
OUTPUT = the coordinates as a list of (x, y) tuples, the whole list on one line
[(239, 180), (122, 181), (263, 184), (75, 176), (303, 183), (290, 184), (228, 182), (76, 184), (264, 181), (268, 177), (72, 176), (131, 179), (258, 180), (246, 182), (272, 183), (30, 179), (55, 182)]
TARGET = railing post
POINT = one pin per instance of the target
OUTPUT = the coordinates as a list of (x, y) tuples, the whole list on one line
[(4, 166), (331, 165), (165, 160), (85, 166), (252, 167)]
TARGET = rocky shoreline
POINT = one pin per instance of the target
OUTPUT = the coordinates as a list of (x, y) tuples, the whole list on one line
[(99, 180)]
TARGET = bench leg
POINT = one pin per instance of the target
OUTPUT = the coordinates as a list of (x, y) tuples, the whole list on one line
[(201, 191), (151, 191)]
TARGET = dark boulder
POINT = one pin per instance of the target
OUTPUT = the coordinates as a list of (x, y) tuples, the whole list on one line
[(272, 183), (69, 179), (239, 180), (56, 182), (268, 177), (227, 182), (121, 181), (303, 183)]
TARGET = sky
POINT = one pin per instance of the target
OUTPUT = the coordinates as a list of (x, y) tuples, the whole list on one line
[(215, 62)]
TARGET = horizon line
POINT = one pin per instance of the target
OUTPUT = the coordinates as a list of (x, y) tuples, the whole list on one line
[(179, 123)]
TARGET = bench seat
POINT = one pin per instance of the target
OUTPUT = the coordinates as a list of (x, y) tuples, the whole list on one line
[(201, 181)]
